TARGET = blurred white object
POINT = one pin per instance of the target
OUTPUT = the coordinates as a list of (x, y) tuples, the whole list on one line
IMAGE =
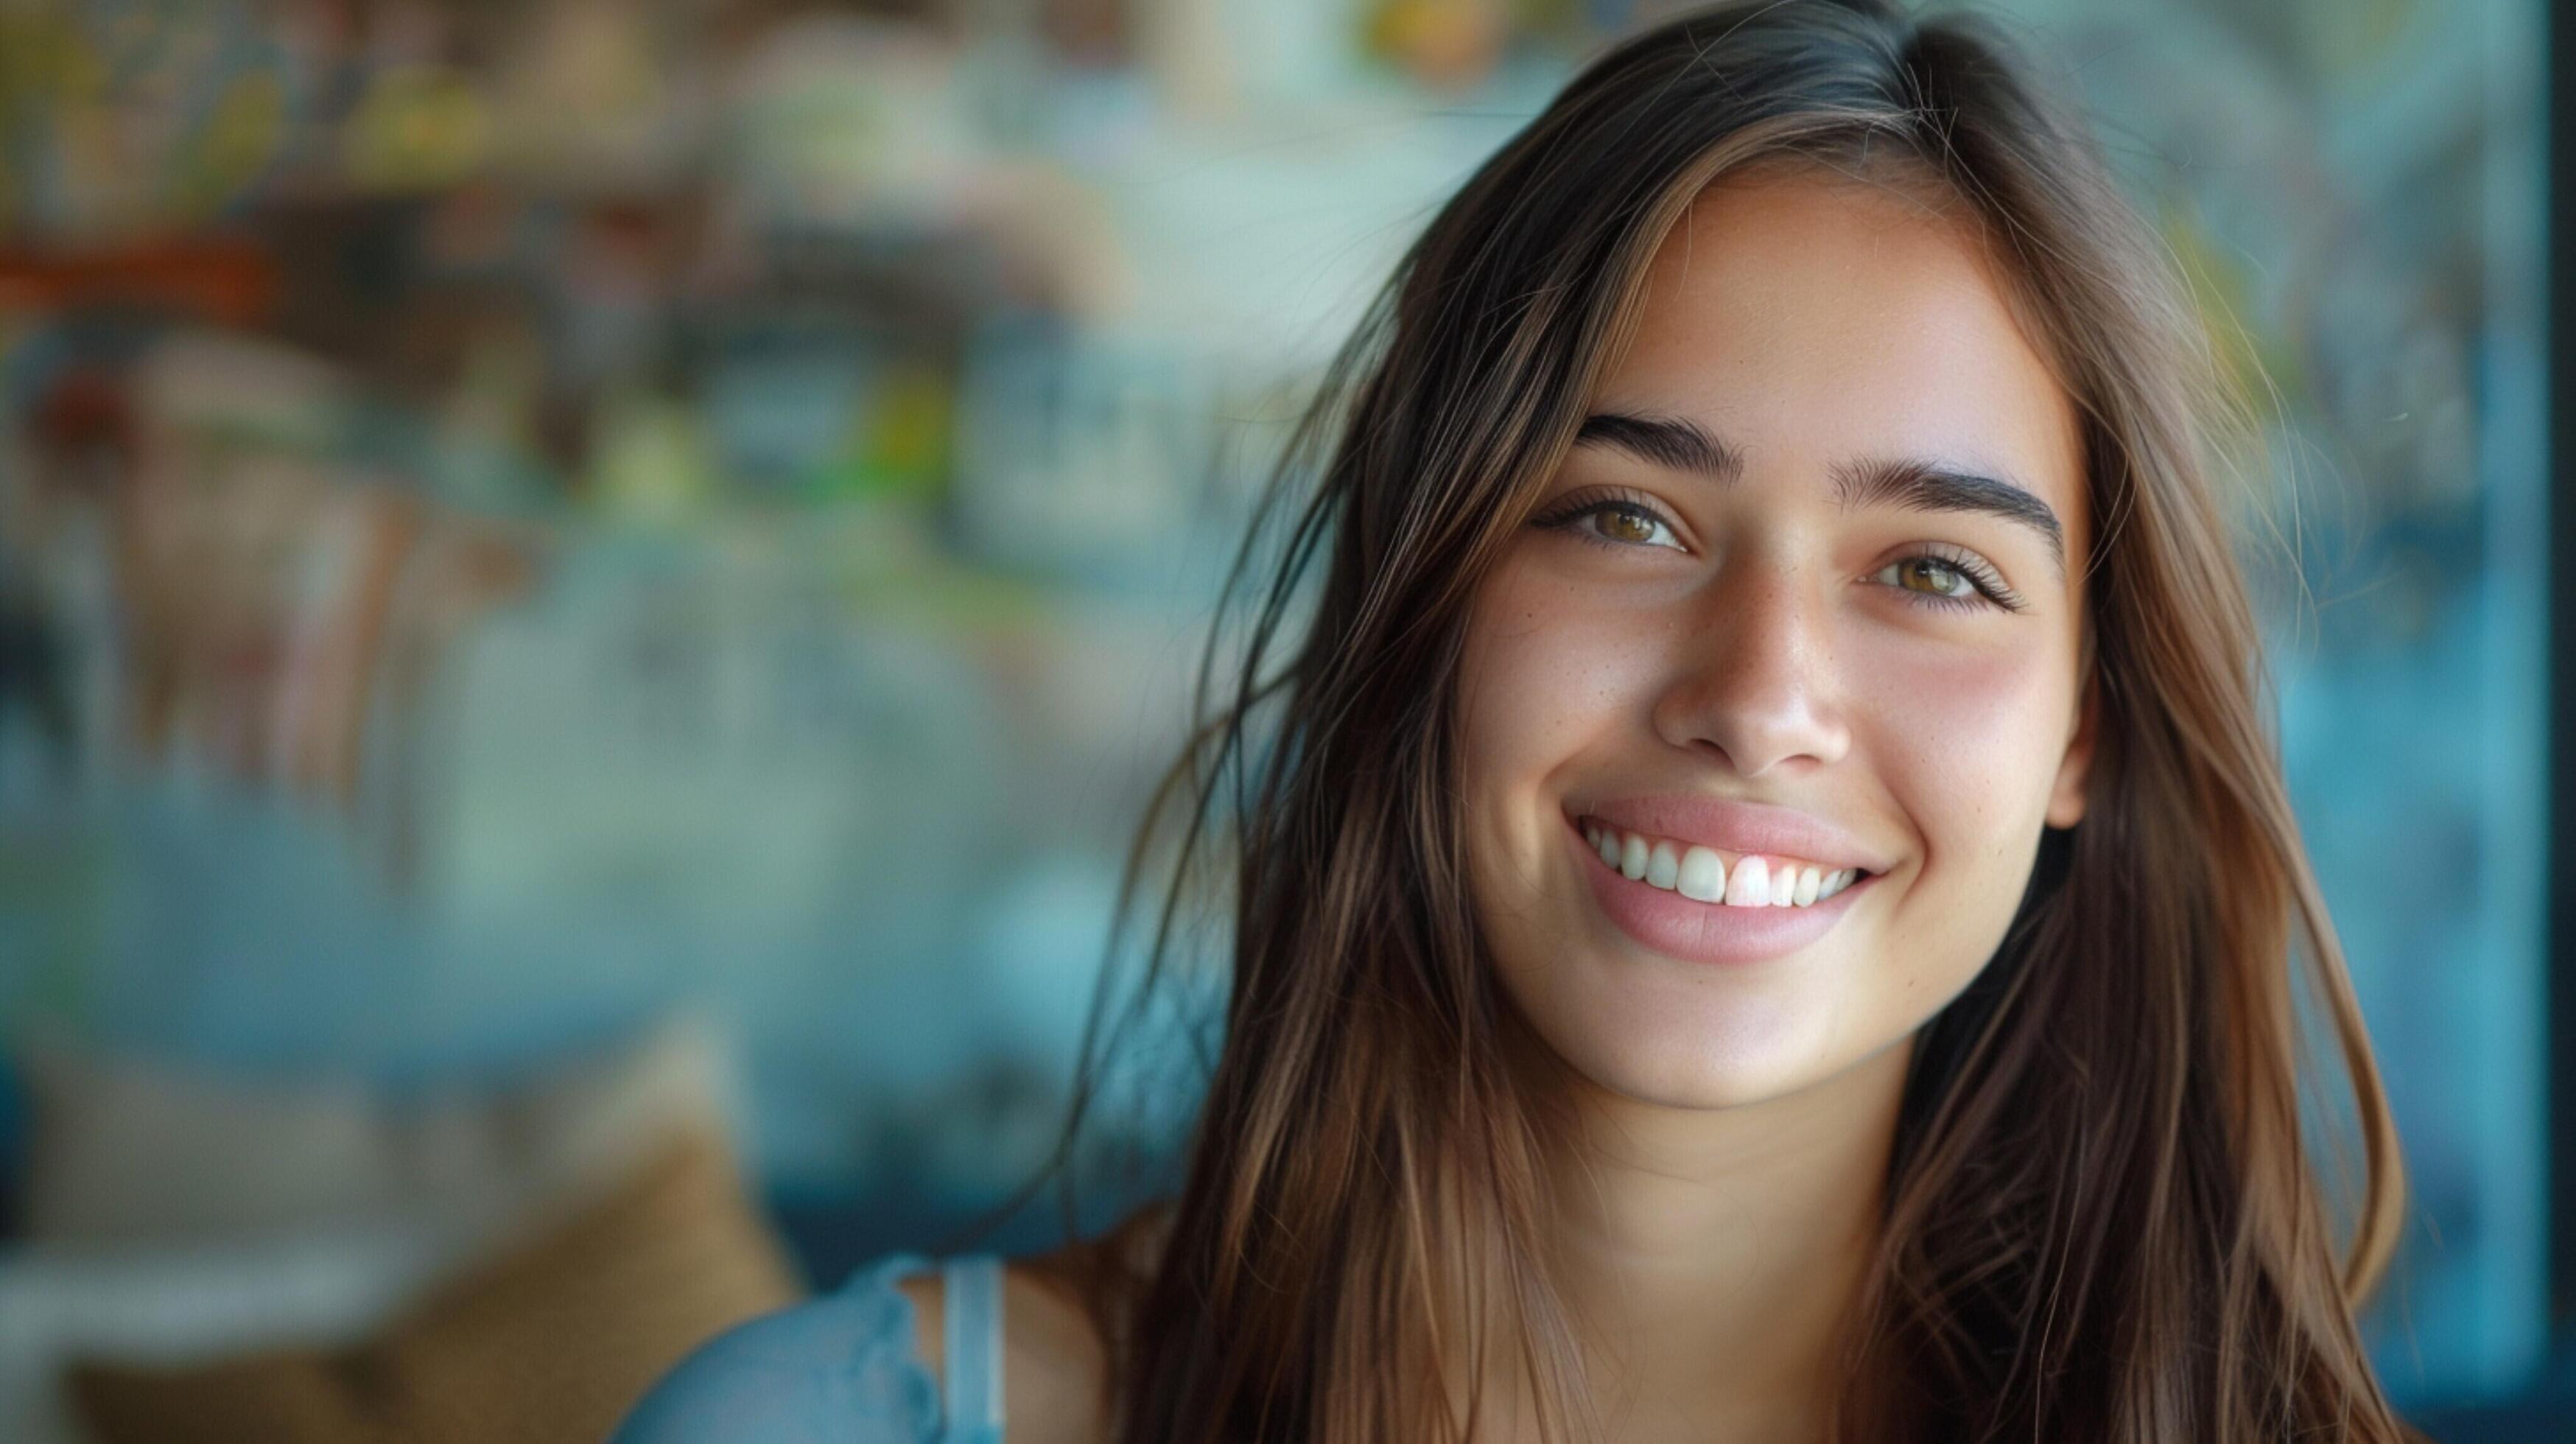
[(181, 1304), (127, 1152)]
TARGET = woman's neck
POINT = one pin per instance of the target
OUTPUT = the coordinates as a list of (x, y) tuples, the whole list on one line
[(1710, 1257)]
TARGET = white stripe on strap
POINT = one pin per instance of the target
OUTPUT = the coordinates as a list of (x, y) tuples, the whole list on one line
[(973, 1330)]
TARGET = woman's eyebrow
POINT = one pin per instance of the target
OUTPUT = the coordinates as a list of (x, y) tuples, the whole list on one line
[(1908, 482), (1667, 441)]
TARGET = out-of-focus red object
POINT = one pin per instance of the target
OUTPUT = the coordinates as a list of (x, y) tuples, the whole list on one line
[(226, 281)]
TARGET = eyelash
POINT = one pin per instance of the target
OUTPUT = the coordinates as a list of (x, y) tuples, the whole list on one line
[(1980, 573)]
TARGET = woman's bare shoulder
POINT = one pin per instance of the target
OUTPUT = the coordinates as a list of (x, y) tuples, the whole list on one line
[(1055, 1364)]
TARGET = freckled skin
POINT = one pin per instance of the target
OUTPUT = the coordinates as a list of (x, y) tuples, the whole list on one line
[(1753, 648)]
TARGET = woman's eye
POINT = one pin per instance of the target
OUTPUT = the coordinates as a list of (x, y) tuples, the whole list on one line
[(1614, 523), (1628, 524), (1940, 581)]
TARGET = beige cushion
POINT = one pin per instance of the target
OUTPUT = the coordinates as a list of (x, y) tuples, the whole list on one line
[(551, 1339)]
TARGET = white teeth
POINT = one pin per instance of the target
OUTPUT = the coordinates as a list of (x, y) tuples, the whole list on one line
[(1751, 884), (1663, 865), (1703, 875)]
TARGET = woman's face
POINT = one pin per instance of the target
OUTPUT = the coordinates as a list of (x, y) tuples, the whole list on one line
[(1804, 595)]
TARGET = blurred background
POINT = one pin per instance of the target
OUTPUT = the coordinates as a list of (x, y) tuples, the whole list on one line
[(590, 593)]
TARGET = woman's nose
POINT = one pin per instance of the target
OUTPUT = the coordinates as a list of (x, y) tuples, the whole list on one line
[(1752, 672)]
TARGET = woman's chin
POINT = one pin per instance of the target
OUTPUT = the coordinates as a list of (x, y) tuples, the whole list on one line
[(1706, 1058)]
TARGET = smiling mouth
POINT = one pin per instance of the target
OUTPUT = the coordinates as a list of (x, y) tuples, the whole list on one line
[(1708, 875)]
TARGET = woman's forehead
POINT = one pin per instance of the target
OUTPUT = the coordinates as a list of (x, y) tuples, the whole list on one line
[(1807, 317)]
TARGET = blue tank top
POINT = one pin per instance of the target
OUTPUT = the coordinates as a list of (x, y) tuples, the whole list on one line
[(843, 1367)]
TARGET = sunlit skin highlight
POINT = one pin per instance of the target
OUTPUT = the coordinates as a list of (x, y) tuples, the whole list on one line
[(1783, 636)]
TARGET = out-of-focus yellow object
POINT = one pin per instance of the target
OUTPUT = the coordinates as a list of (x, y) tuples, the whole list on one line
[(1450, 44), (902, 447), (243, 133), (417, 128), (2255, 360), (649, 460)]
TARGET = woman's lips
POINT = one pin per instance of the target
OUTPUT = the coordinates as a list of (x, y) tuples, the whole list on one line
[(1693, 931)]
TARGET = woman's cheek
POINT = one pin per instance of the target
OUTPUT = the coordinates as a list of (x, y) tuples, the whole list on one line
[(1971, 734), (1547, 670), (1972, 711)]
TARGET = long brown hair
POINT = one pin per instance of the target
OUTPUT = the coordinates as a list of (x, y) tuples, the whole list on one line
[(2102, 1219)]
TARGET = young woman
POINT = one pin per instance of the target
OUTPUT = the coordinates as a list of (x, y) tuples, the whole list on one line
[(1765, 906)]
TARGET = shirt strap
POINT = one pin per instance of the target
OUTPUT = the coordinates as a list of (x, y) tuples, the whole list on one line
[(972, 1329)]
